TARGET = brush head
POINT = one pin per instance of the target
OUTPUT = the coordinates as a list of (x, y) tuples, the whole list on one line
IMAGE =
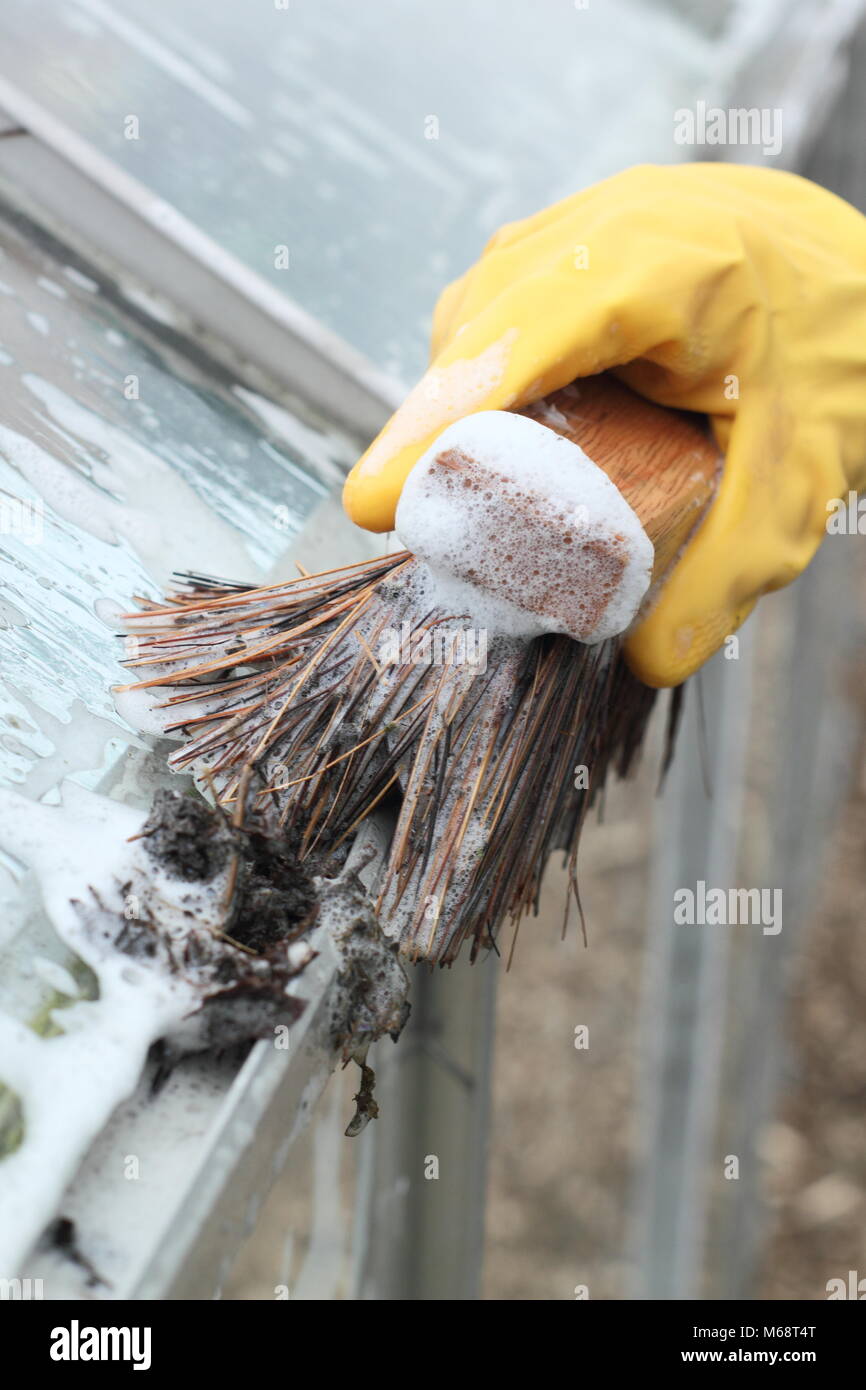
[(348, 691), (523, 532), (305, 684)]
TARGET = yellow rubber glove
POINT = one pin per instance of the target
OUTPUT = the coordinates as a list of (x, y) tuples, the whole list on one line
[(732, 290)]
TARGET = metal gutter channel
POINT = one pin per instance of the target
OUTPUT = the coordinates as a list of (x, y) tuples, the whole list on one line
[(118, 217)]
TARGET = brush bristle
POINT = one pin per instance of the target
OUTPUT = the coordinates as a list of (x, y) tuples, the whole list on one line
[(480, 756)]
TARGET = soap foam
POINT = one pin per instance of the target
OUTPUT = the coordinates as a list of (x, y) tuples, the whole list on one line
[(523, 532)]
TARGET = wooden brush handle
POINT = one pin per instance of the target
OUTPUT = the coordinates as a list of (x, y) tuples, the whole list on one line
[(663, 461)]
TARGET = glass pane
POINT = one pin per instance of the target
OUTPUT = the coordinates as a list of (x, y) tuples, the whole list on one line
[(381, 144), (119, 461)]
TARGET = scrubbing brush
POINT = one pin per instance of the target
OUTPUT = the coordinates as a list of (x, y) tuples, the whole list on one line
[(476, 681)]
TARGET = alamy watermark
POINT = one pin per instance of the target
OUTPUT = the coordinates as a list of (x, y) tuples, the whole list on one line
[(729, 907), (851, 1287), (846, 516), (22, 516), (738, 125), (21, 1290), (437, 646), (77, 1343)]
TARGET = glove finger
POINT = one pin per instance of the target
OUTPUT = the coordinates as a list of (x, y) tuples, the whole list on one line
[(760, 532), (532, 336), (445, 314)]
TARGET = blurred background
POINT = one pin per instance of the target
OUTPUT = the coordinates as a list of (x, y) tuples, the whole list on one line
[(356, 158)]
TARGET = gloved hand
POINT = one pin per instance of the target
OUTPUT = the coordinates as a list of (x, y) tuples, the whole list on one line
[(732, 290)]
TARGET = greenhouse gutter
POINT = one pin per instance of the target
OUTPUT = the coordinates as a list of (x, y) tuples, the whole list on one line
[(232, 1131), (117, 217)]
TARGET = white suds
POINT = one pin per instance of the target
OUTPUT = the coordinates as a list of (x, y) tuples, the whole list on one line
[(522, 531), (70, 1084)]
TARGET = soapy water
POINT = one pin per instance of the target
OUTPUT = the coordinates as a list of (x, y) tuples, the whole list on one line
[(523, 532), (117, 456), (151, 917)]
